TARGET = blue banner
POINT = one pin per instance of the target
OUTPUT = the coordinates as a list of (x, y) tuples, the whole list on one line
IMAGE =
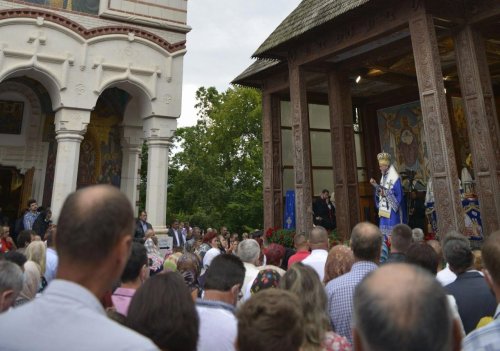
[(289, 218)]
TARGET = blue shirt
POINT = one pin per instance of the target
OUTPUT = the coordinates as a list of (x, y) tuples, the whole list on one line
[(29, 219), (66, 317), (486, 338), (340, 292)]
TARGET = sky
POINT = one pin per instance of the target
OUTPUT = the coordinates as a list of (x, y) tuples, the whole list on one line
[(224, 35)]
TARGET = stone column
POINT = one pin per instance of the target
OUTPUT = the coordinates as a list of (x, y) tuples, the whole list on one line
[(131, 149), (482, 123), (344, 153), (302, 149), (272, 172), (159, 131), (436, 124), (70, 126)]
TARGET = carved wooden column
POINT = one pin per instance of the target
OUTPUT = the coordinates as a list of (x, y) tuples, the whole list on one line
[(301, 148), (482, 123), (436, 121), (273, 175), (343, 152)]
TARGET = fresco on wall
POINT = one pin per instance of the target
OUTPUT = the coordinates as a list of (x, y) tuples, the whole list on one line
[(11, 117), (100, 151), (86, 6), (402, 135)]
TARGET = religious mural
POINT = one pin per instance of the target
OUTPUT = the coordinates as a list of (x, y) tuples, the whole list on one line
[(86, 6), (402, 135), (100, 151), (11, 117)]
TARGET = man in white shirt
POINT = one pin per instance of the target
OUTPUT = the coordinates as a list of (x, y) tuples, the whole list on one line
[(94, 236), (318, 242), (218, 324), (51, 259)]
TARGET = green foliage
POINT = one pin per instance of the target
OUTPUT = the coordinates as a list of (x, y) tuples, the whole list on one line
[(217, 177)]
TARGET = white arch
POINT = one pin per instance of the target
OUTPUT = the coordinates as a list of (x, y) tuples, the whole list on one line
[(39, 74)]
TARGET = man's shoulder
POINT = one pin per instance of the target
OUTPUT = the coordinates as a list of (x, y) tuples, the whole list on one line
[(53, 333), (342, 282), (216, 308), (487, 337), (351, 278)]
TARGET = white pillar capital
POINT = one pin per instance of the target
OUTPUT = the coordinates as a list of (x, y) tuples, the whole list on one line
[(159, 127), (159, 142), (132, 137), (71, 121), (70, 126)]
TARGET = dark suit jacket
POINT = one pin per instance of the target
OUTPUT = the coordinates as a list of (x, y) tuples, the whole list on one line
[(172, 234), (474, 298), (320, 209), (139, 231)]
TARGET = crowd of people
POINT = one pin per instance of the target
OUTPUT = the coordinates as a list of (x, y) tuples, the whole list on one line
[(99, 281)]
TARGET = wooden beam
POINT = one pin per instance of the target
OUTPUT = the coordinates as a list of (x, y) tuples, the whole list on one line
[(482, 11)]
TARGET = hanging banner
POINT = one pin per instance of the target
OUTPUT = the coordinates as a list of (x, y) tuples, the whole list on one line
[(289, 218)]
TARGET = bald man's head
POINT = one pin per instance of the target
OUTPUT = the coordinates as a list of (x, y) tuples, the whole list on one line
[(318, 238), (91, 223), (366, 241), (402, 307)]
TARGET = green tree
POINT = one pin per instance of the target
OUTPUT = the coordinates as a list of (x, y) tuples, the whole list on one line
[(217, 177)]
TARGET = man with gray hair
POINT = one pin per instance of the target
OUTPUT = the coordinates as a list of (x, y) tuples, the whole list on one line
[(402, 307), (11, 284), (474, 298), (417, 235), (249, 253), (366, 241)]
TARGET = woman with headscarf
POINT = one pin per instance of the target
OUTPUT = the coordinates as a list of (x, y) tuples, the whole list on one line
[(189, 267)]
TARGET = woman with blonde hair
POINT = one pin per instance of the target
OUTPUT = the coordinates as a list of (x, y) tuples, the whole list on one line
[(36, 252), (31, 284), (305, 283)]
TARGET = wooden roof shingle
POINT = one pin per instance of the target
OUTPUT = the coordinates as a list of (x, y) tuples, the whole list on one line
[(254, 68), (308, 15)]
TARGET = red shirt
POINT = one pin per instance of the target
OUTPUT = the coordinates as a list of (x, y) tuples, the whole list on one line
[(299, 256), (5, 246)]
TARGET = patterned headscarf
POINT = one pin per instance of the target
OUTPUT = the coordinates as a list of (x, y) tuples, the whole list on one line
[(267, 278)]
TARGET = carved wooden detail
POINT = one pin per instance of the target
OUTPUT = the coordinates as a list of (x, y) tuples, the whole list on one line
[(482, 123), (343, 153), (273, 196), (302, 149), (277, 166), (436, 123)]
